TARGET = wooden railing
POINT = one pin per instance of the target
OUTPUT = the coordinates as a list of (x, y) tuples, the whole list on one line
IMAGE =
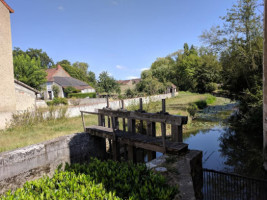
[(130, 118)]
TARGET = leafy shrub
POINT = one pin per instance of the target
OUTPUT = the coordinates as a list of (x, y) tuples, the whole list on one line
[(192, 109), (129, 93), (70, 89), (98, 180), (201, 104), (57, 101), (82, 95), (55, 90), (211, 87), (210, 99)]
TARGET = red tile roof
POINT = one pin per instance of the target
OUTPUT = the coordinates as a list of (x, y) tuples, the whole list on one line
[(7, 6), (51, 72)]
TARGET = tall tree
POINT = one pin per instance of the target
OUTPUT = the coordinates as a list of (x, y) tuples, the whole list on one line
[(46, 61), (82, 66), (107, 83), (28, 70)]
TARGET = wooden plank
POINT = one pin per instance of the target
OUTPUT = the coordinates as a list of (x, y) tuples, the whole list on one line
[(116, 149), (131, 149), (83, 121), (138, 141), (151, 131), (177, 133), (163, 135), (101, 120), (152, 117)]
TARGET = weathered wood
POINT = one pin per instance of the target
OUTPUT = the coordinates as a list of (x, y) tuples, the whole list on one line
[(163, 135), (163, 106), (151, 131), (83, 121), (177, 133), (116, 149), (138, 140), (101, 120), (131, 148), (152, 117), (107, 102)]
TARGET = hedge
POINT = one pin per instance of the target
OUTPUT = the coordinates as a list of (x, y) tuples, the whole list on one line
[(82, 95), (98, 180)]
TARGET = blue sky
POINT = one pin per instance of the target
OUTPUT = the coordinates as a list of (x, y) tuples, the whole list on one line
[(119, 36)]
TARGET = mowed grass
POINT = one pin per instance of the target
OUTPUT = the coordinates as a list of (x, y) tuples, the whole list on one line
[(26, 135)]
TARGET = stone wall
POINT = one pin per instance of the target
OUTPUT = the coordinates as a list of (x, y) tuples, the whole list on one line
[(25, 98), (32, 162), (7, 91), (75, 110), (86, 101), (5, 118)]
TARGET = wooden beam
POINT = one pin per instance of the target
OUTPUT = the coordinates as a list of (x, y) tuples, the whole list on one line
[(151, 131), (177, 133)]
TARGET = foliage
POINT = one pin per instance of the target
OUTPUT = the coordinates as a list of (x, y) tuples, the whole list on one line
[(201, 104), (126, 179), (46, 61), (82, 95), (210, 99), (57, 101), (70, 89), (55, 90), (107, 83), (98, 180), (29, 71), (240, 44), (29, 118), (192, 109), (129, 93), (211, 87)]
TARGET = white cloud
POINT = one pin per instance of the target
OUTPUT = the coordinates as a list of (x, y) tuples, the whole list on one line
[(60, 8), (114, 2), (120, 67), (131, 77), (143, 69)]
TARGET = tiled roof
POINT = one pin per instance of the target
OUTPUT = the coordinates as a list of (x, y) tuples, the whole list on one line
[(70, 82), (123, 82), (7, 6), (51, 72)]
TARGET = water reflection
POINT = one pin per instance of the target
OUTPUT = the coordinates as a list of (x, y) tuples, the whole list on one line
[(229, 150)]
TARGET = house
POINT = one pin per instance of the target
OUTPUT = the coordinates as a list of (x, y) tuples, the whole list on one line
[(60, 78), (128, 84), (171, 89)]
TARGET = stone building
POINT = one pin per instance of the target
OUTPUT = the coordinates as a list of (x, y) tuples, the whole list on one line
[(7, 91), (60, 78)]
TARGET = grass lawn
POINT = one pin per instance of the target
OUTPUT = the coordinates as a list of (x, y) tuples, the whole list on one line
[(26, 135)]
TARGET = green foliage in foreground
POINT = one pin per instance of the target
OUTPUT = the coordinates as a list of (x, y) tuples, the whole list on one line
[(82, 95), (97, 180)]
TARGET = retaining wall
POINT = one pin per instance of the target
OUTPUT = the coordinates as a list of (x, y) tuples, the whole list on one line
[(32, 162), (75, 110)]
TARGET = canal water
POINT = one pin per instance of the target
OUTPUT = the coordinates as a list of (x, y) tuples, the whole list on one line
[(225, 149)]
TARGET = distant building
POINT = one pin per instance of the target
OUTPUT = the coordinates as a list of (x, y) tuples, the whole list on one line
[(128, 84), (60, 78), (171, 89)]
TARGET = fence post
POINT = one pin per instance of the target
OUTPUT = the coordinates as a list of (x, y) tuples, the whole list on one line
[(163, 126), (131, 149)]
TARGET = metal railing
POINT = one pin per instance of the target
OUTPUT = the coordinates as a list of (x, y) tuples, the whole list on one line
[(228, 186)]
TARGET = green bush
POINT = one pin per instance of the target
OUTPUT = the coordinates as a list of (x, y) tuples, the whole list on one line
[(201, 104), (98, 180), (57, 101), (210, 99), (211, 87), (192, 109), (82, 95)]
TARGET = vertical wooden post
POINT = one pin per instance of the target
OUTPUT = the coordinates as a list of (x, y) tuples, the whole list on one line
[(115, 143), (141, 121), (124, 130), (83, 121), (177, 133), (101, 120), (131, 149), (151, 131), (163, 126), (107, 102)]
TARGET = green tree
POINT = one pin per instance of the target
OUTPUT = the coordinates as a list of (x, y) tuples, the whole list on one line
[(28, 70), (46, 61), (82, 66), (107, 83), (55, 90)]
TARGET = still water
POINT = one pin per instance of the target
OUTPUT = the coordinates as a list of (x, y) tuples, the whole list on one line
[(225, 149)]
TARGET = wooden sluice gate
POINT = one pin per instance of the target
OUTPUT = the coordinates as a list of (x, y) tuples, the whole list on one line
[(138, 131)]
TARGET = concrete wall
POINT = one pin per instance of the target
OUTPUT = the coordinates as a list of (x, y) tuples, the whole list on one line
[(25, 98), (86, 101), (5, 118), (32, 162), (7, 91), (75, 111)]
